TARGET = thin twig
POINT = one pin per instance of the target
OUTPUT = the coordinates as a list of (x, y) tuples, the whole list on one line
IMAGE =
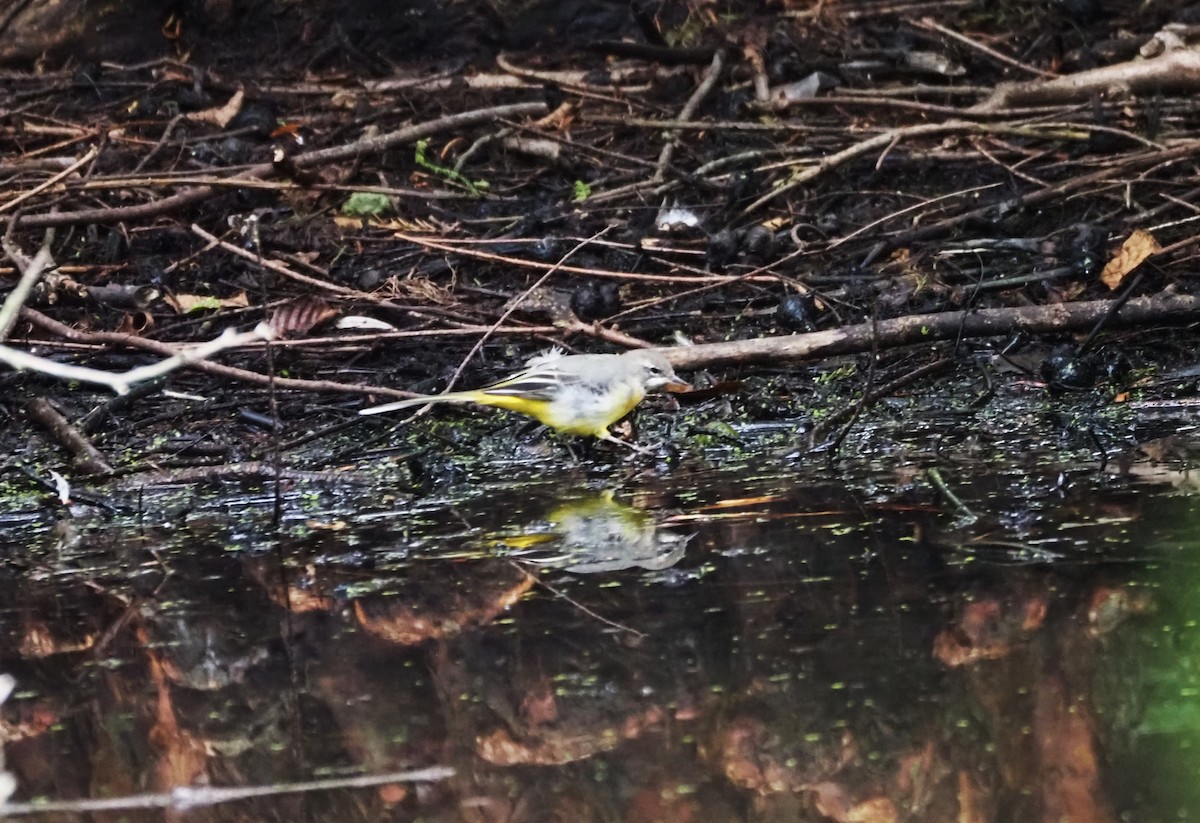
[(168, 130), (512, 306), (133, 341), (451, 248), (350, 151), (88, 157), (688, 112), (122, 381), (871, 144), (930, 24), (277, 267), (559, 593), (31, 272), (935, 477), (975, 190)]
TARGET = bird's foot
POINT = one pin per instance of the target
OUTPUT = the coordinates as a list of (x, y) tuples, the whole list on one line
[(626, 444)]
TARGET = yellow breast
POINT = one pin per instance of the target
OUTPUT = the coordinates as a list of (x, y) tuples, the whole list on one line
[(588, 412)]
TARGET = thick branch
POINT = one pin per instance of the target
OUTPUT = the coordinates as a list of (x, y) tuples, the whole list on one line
[(87, 457), (1174, 71), (927, 328)]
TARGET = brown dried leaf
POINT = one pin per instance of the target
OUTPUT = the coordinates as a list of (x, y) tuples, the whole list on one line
[(221, 115), (875, 810), (185, 303), (136, 324), (301, 316), (1133, 252), (38, 640)]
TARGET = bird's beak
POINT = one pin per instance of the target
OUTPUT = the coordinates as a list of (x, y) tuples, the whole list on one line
[(677, 386)]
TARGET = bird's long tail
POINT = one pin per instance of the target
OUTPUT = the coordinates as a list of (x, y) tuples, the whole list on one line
[(423, 400)]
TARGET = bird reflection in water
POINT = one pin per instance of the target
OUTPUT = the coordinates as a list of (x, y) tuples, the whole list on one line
[(594, 534)]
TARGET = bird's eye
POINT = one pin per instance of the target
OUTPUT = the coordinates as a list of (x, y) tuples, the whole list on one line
[(654, 369)]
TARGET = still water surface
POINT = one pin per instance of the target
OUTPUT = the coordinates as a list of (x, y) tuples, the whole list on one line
[(791, 640)]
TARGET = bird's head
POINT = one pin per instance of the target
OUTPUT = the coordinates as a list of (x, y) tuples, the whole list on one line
[(656, 370)]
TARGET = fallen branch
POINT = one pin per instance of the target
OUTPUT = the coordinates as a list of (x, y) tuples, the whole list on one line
[(232, 372), (121, 382), (917, 329), (88, 458), (687, 113), (1175, 71)]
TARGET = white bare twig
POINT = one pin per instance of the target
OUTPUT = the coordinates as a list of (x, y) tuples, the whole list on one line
[(31, 271), (120, 383)]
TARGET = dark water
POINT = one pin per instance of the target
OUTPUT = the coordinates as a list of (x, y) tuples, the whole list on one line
[(784, 639)]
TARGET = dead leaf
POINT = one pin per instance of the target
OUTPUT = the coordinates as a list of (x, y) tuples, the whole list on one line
[(1133, 252), (875, 810), (136, 324), (300, 316), (187, 303), (221, 115)]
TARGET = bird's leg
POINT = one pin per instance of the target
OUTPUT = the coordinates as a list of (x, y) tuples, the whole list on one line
[(625, 443)]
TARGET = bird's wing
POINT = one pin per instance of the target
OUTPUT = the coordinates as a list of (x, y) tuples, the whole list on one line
[(541, 381)]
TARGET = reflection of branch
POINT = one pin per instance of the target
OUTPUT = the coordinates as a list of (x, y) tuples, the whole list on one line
[(559, 593), (8, 783), (183, 798)]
